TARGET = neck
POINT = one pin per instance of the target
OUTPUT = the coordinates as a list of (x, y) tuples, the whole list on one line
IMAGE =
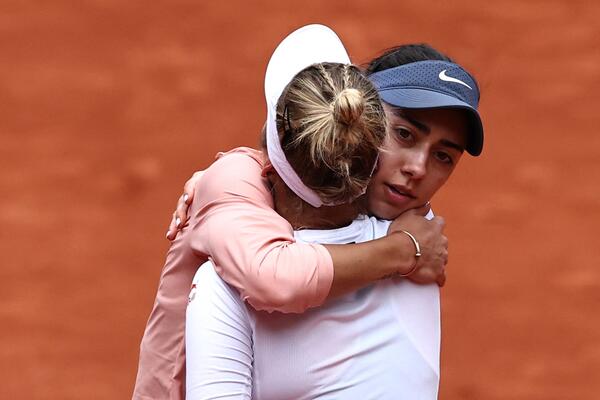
[(321, 218), (302, 215)]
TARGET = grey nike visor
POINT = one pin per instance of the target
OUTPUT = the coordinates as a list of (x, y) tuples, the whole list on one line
[(433, 84)]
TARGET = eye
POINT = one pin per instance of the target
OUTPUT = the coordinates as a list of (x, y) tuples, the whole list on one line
[(444, 157), (403, 133)]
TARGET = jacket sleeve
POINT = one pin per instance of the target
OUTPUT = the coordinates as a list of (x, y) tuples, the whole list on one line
[(252, 247), (218, 340)]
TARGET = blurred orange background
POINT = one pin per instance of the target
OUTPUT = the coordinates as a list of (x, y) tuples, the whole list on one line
[(107, 107)]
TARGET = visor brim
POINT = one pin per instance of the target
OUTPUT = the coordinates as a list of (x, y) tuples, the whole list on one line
[(415, 98)]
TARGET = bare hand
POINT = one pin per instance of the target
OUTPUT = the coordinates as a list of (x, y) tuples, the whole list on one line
[(434, 244), (180, 215)]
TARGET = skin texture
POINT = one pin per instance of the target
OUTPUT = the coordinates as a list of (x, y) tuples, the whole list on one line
[(420, 152)]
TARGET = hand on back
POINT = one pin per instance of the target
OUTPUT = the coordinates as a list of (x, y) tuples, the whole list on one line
[(180, 215)]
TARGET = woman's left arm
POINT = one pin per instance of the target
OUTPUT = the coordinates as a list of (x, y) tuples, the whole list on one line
[(218, 339)]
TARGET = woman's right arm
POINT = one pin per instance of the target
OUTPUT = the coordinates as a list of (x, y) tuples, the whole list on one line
[(395, 254), (252, 247), (254, 250)]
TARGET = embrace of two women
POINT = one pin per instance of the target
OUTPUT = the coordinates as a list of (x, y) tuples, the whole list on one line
[(310, 268)]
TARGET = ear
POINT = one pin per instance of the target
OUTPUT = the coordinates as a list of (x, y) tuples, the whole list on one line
[(267, 169)]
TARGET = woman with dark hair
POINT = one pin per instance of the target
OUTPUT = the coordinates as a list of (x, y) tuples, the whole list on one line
[(430, 141)]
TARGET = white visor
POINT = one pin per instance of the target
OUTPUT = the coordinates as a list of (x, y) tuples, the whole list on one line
[(302, 48)]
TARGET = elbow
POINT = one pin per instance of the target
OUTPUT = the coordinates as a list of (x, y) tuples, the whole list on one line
[(277, 296)]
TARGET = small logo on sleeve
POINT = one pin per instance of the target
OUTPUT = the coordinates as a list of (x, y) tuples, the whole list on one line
[(192, 293)]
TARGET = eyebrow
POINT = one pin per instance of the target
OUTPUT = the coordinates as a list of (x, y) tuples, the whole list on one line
[(426, 129), (420, 126), (453, 145)]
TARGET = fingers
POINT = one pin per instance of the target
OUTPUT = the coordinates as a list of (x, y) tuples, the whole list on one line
[(426, 208), (440, 221), (188, 191), (181, 212), (172, 231), (441, 279), (179, 216), (422, 210)]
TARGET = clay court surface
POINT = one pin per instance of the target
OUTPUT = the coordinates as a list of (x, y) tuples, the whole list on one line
[(106, 108)]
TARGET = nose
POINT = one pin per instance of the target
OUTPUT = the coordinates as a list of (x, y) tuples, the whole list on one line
[(415, 164)]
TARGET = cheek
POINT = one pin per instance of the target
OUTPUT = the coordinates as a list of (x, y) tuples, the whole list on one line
[(375, 189), (374, 185), (390, 158), (390, 144), (436, 180), (383, 165)]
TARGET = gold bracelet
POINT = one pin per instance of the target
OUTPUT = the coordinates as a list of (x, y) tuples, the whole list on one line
[(417, 254)]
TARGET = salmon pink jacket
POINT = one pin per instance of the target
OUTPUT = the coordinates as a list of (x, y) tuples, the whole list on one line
[(232, 222)]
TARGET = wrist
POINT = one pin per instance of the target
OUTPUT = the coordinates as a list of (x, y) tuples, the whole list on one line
[(415, 243), (400, 253)]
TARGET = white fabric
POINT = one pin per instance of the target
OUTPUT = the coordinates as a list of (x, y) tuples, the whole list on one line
[(302, 48), (381, 342)]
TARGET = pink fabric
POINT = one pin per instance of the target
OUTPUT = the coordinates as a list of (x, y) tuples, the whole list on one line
[(253, 249)]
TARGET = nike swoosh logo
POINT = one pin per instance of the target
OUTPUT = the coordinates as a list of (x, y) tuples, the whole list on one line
[(447, 78)]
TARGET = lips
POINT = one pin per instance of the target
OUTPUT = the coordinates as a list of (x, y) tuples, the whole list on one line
[(398, 196), (401, 190)]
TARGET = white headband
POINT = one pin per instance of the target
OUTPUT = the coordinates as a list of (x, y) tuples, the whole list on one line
[(304, 47)]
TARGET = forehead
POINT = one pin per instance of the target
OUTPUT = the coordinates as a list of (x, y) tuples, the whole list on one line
[(443, 123)]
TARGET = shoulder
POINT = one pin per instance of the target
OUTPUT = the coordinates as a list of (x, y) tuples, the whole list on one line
[(235, 173), (241, 161), (242, 153)]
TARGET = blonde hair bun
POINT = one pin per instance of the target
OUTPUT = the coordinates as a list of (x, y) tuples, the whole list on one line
[(331, 123), (348, 106)]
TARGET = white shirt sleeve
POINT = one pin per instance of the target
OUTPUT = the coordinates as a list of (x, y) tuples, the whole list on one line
[(218, 339)]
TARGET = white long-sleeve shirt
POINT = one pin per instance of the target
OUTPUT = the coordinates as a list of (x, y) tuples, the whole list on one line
[(381, 342)]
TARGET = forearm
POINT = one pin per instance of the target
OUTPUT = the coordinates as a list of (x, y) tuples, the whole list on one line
[(357, 265), (253, 247), (270, 270)]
